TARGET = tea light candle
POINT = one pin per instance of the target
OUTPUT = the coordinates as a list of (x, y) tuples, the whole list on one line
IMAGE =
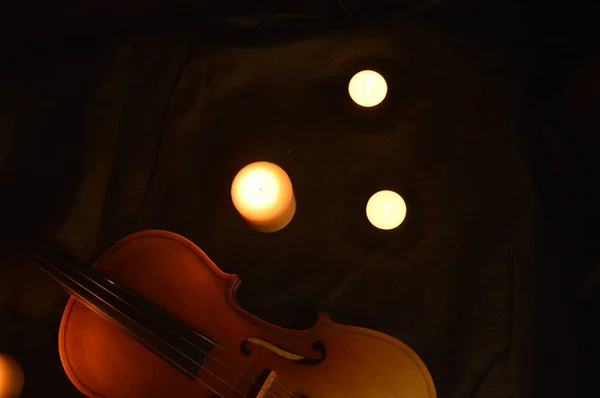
[(367, 88), (386, 210), (262, 193), (11, 377)]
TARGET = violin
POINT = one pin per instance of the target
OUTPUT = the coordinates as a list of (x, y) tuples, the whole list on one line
[(156, 318)]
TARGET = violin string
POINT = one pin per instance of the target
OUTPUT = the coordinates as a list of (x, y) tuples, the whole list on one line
[(159, 338), (175, 349), (253, 384), (223, 349), (208, 354), (162, 340)]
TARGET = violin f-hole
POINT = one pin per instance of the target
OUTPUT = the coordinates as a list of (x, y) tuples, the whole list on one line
[(318, 346)]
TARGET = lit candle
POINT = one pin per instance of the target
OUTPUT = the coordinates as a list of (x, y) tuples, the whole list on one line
[(262, 193), (367, 88), (386, 210), (11, 377)]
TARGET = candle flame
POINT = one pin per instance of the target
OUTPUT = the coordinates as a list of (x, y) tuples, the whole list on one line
[(262, 193), (386, 210), (367, 88)]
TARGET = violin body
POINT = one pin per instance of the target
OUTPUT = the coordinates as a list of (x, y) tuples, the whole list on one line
[(253, 359)]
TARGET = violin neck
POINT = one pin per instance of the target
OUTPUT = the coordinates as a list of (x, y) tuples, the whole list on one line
[(161, 332)]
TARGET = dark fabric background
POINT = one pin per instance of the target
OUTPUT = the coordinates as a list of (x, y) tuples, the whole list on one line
[(147, 131)]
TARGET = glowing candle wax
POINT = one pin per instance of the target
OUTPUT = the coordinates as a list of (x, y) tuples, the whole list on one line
[(11, 377), (262, 193), (386, 210), (367, 88)]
